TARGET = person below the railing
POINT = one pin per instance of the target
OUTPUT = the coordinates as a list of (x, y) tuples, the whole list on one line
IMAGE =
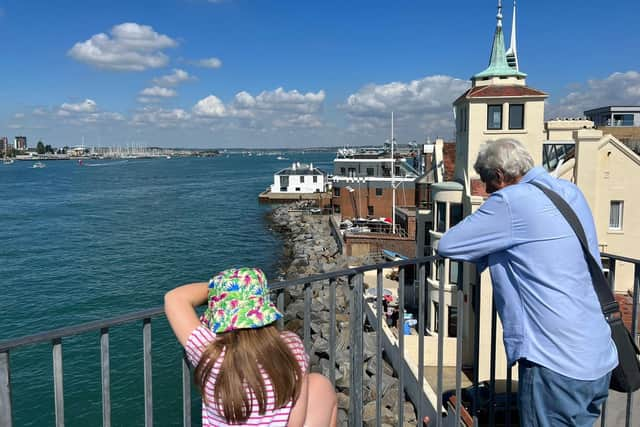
[(553, 324), (248, 372)]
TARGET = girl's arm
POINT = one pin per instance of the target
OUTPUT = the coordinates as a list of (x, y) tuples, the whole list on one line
[(299, 411), (179, 306)]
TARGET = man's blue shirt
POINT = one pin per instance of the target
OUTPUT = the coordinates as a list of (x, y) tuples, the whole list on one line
[(541, 283)]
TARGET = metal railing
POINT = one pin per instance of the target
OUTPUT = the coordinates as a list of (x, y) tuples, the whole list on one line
[(409, 384)]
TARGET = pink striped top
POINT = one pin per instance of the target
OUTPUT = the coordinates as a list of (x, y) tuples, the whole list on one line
[(199, 339)]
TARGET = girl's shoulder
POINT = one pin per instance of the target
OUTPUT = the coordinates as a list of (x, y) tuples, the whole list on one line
[(291, 338)]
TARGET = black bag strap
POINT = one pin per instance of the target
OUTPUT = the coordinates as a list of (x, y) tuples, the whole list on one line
[(600, 283)]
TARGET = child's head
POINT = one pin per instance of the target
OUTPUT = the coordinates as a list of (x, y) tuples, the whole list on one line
[(239, 299)]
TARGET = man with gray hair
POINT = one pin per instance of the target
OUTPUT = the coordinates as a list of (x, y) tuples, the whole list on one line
[(552, 320)]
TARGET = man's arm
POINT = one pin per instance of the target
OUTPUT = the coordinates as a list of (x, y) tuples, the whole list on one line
[(486, 231)]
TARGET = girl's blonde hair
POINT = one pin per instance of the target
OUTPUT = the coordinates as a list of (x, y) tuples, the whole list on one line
[(245, 352)]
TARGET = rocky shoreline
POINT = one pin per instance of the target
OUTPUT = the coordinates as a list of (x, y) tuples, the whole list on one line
[(310, 248)]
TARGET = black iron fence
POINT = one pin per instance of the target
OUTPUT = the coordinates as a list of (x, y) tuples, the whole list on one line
[(411, 379)]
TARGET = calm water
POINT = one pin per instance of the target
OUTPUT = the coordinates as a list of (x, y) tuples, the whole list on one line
[(85, 243)]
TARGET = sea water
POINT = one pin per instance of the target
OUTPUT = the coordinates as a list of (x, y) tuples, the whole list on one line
[(84, 243)]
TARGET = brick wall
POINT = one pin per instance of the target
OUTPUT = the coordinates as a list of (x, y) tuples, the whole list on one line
[(626, 309), (478, 188), (365, 197), (449, 159)]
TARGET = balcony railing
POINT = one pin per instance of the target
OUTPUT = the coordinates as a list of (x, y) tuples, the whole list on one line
[(411, 381)]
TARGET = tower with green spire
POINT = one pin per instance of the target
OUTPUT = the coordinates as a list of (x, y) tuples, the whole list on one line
[(498, 65)]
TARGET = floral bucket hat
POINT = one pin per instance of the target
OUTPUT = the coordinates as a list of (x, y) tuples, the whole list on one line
[(239, 299)]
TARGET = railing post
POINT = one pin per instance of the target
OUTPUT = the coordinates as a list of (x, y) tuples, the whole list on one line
[(280, 305), (186, 393), (5, 391), (380, 316), (634, 334), (332, 331), (106, 377), (612, 285), (459, 332), (440, 315), (421, 314), (401, 346), (307, 317), (148, 386), (58, 380), (357, 359), (492, 369)]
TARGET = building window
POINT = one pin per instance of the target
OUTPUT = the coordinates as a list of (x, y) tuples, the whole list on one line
[(370, 171), (315, 179), (379, 191), (615, 215), (302, 179), (370, 210), (441, 216), (436, 324), (455, 214), (336, 191), (297, 188), (516, 116), (452, 322), (494, 117), (342, 171), (439, 267), (453, 272), (336, 209), (397, 172), (352, 171)]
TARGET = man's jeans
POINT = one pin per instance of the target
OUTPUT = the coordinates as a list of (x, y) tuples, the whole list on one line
[(547, 398)]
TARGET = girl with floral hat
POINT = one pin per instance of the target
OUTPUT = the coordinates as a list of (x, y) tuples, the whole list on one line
[(248, 372)]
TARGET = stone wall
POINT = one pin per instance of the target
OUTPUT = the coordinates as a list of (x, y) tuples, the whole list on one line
[(310, 249)]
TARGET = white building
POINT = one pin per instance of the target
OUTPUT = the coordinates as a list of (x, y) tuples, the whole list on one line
[(299, 178)]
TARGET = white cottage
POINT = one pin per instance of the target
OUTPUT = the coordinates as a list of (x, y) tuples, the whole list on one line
[(299, 178)]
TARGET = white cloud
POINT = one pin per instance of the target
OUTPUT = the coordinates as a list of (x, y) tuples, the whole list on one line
[(159, 117), (176, 77), (86, 106), (423, 104), (131, 47), (211, 106), (158, 91), (616, 89), (280, 100), (18, 116), (209, 63)]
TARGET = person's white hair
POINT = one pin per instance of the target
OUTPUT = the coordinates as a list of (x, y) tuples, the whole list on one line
[(507, 155)]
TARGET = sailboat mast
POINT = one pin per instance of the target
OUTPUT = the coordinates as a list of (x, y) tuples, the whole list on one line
[(393, 181)]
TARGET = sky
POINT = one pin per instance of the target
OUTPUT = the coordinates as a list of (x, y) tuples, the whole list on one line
[(280, 73)]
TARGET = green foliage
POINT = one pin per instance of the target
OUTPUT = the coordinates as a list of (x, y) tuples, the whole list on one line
[(40, 148)]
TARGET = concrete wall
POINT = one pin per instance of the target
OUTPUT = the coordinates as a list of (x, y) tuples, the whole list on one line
[(366, 243), (607, 170)]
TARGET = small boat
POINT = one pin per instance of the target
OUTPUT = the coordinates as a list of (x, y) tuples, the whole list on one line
[(7, 161), (38, 165), (281, 158)]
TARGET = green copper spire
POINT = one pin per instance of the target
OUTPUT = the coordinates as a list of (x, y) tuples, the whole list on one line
[(498, 66)]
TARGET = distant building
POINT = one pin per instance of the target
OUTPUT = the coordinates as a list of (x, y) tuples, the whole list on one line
[(4, 144), (20, 143), (363, 183), (299, 178), (623, 122)]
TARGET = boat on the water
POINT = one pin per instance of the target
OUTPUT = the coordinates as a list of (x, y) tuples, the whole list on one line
[(39, 165), (7, 161)]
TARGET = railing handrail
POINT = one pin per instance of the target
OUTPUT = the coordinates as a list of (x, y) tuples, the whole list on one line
[(620, 258), (67, 331)]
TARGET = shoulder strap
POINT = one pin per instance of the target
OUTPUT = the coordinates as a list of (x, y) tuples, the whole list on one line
[(600, 283)]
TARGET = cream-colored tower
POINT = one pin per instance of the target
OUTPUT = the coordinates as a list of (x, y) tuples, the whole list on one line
[(499, 104)]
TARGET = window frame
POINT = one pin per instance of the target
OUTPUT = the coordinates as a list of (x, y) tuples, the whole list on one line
[(336, 191), (381, 190), (489, 116), (521, 116), (620, 217)]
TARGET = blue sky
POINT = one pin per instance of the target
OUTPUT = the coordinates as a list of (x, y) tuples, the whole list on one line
[(267, 73)]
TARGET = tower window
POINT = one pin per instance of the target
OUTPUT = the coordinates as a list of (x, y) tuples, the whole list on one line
[(494, 117), (516, 116)]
